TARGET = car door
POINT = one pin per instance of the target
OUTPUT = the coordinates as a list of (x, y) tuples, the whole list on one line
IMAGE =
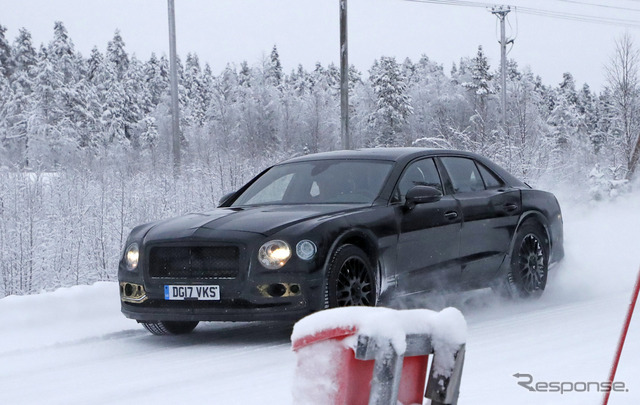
[(490, 212), (428, 237)]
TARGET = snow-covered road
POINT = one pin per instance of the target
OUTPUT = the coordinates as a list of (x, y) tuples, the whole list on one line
[(73, 346)]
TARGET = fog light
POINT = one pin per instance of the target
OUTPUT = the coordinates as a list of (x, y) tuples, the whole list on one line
[(133, 293), (276, 290), (279, 290), (128, 290)]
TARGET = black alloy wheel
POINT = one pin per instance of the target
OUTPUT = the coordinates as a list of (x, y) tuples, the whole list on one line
[(529, 263), (350, 282)]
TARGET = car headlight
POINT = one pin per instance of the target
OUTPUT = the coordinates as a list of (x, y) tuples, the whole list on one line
[(274, 254), (131, 256), (305, 249)]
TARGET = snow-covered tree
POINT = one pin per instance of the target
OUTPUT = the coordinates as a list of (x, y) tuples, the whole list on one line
[(24, 54), (479, 85), (624, 82), (117, 55), (6, 61), (393, 104), (273, 68)]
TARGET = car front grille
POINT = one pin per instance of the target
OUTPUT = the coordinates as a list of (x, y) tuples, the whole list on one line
[(194, 262)]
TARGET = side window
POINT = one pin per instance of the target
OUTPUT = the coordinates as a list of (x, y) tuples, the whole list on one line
[(464, 174), (420, 173), (490, 179)]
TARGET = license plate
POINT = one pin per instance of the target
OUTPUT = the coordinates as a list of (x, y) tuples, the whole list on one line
[(192, 292)]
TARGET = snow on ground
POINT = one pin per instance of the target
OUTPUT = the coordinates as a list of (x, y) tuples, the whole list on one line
[(73, 346)]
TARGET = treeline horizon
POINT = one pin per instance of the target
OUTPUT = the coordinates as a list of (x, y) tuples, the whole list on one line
[(85, 150)]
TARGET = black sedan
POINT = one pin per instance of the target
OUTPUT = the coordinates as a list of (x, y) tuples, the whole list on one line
[(339, 229)]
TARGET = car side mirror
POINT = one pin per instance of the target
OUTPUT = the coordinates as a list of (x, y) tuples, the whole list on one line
[(225, 198), (422, 195)]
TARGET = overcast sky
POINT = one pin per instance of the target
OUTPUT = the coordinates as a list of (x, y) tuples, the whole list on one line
[(306, 31)]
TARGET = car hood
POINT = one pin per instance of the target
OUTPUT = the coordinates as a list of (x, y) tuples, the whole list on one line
[(265, 220)]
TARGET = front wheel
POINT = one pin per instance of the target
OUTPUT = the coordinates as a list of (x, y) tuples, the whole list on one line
[(350, 281), (529, 263), (161, 328)]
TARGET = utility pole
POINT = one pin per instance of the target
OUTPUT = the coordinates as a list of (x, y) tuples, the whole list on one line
[(344, 78), (175, 106), (501, 12)]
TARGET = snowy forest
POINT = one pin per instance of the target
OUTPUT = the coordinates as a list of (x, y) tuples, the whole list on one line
[(85, 150)]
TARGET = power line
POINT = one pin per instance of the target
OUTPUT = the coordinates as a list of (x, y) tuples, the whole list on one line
[(584, 3), (627, 23), (581, 17)]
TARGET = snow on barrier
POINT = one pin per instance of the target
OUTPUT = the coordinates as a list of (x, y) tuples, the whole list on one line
[(364, 355)]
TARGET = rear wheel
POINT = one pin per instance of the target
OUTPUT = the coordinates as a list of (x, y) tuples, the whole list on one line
[(529, 263), (350, 281), (170, 327)]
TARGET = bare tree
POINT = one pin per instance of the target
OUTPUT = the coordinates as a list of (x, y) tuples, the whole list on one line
[(623, 80)]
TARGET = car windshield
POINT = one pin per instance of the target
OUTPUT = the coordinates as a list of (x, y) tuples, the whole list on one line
[(318, 182)]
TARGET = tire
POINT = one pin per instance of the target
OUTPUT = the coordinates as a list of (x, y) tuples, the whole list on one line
[(162, 328), (527, 277), (350, 279)]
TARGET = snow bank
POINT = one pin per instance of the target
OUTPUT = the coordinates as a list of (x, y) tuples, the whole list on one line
[(64, 315)]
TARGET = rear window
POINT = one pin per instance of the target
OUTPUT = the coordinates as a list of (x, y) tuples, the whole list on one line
[(464, 174), (490, 179)]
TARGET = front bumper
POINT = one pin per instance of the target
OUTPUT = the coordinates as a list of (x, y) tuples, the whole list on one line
[(239, 301), (244, 296)]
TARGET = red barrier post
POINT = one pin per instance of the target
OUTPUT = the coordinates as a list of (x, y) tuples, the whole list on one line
[(623, 336)]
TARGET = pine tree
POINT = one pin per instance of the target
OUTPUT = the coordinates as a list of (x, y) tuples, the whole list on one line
[(605, 129), (588, 107), (481, 80), (567, 89), (393, 104), (19, 99), (195, 92), (134, 95), (6, 61), (244, 77), (114, 102), (95, 65), (332, 73), (480, 87), (156, 81), (409, 70), (6, 95), (61, 54), (47, 119), (273, 68), (24, 54), (117, 55)]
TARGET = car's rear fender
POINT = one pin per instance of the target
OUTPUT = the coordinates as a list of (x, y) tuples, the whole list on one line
[(526, 217)]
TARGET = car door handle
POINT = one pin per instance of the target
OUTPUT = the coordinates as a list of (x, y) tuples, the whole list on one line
[(451, 215), (510, 206)]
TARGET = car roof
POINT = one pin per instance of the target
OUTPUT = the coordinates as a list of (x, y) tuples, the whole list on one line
[(403, 155), (392, 154)]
